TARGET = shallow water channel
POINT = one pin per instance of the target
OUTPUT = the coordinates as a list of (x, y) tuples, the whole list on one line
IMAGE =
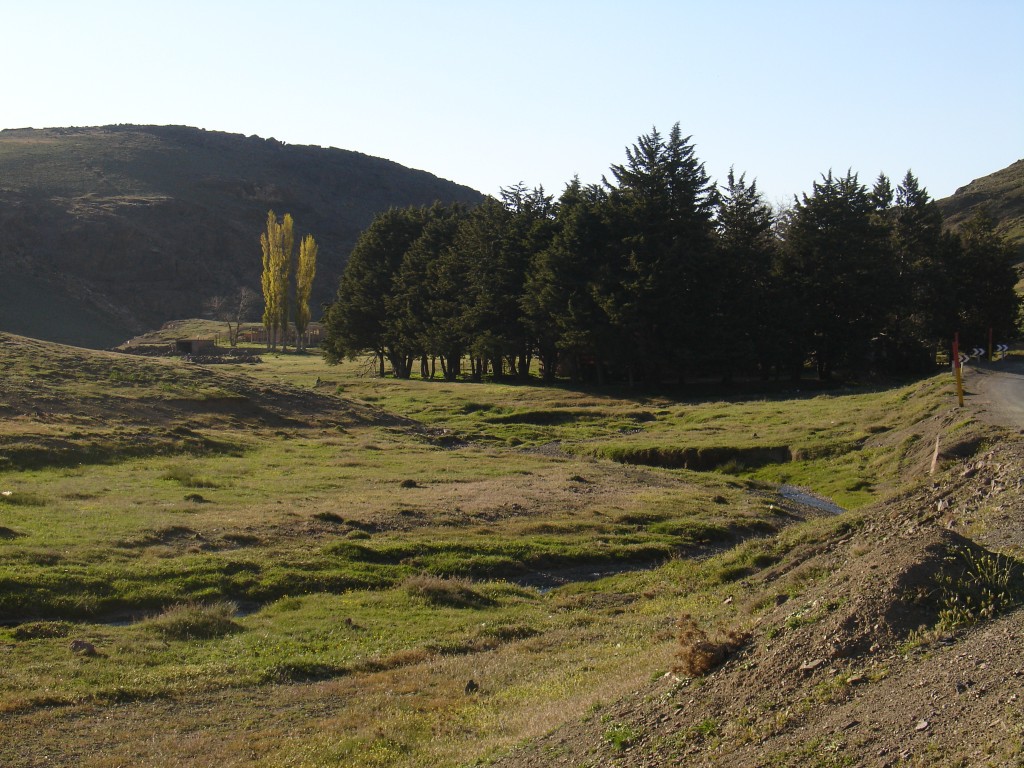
[(545, 581), (809, 499)]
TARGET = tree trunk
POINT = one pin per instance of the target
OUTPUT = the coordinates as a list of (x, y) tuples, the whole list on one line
[(524, 366)]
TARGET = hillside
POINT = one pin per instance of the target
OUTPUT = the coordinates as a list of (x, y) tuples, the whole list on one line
[(1002, 193), (66, 405), (110, 231)]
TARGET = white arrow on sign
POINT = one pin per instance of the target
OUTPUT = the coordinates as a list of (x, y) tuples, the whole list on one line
[(977, 352), (964, 357), (1003, 348)]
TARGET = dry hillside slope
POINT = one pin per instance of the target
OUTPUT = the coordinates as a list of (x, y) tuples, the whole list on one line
[(110, 231), (67, 405), (1001, 194)]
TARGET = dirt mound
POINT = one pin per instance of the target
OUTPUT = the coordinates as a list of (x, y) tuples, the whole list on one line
[(879, 593)]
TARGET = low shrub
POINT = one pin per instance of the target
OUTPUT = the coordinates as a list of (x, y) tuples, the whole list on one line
[(620, 736), (987, 585), (188, 478), (22, 499)]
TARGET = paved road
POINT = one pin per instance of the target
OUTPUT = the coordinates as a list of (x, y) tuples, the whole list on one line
[(997, 392)]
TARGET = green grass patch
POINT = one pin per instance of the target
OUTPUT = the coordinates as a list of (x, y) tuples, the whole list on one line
[(391, 540), (195, 621)]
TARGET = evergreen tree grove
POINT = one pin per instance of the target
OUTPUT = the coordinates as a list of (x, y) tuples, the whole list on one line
[(658, 275)]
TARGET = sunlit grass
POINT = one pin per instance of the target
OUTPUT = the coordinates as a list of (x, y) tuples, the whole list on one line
[(377, 562)]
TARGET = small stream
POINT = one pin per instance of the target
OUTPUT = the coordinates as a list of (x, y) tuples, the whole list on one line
[(809, 499), (546, 581)]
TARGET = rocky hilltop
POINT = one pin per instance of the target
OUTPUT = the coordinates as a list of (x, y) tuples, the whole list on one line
[(1001, 194), (106, 232)]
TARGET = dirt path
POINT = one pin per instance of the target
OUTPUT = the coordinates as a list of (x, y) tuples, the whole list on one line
[(997, 393)]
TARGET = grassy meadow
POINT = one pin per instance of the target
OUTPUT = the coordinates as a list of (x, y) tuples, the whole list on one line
[(293, 564)]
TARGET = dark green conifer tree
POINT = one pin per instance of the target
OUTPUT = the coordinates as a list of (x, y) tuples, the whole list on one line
[(742, 321), (660, 212), (838, 271), (357, 319)]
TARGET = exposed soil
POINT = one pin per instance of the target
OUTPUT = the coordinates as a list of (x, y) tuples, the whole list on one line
[(848, 661)]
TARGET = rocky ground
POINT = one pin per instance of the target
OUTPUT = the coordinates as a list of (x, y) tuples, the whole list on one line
[(897, 642)]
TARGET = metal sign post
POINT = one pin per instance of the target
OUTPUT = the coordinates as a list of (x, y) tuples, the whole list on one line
[(958, 369)]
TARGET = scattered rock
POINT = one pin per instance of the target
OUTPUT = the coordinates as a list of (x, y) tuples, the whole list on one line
[(922, 725), (83, 648), (809, 666)]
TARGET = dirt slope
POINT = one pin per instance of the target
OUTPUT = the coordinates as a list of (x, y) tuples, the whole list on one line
[(853, 657)]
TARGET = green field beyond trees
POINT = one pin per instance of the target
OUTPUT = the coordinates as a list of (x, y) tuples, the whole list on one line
[(658, 276), (296, 564)]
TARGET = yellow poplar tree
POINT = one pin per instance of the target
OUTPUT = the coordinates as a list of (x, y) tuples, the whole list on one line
[(267, 241), (282, 282), (305, 271), (277, 243)]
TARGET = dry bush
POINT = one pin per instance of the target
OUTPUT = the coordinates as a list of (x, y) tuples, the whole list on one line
[(698, 654)]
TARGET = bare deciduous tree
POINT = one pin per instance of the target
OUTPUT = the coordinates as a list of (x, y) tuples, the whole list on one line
[(234, 309)]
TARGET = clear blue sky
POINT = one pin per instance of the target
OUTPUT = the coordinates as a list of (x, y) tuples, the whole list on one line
[(491, 93)]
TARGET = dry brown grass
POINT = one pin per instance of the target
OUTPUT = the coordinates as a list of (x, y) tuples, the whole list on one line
[(698, 653)]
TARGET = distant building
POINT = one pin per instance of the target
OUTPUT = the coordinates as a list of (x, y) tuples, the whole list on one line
[(195, 346)]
